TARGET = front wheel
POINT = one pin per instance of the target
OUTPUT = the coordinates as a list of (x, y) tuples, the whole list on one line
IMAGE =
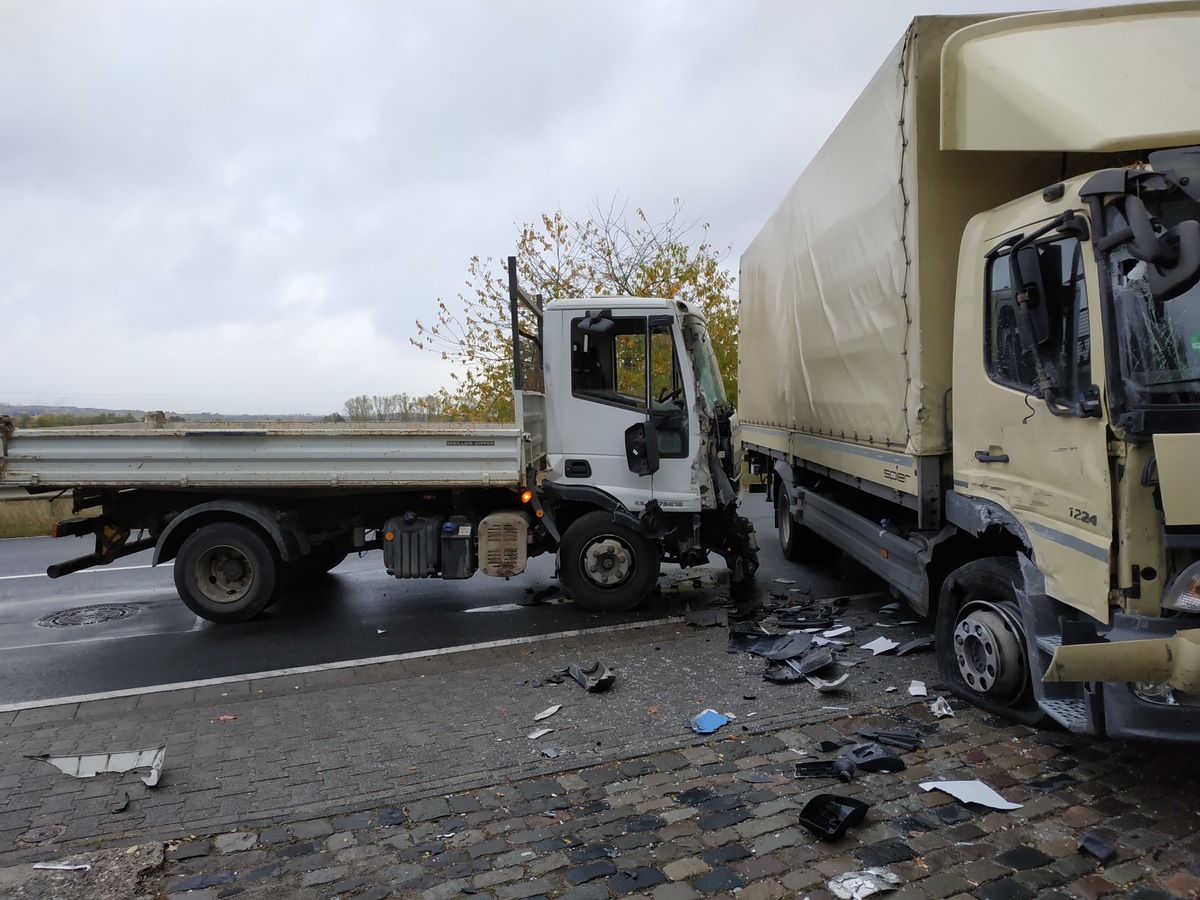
[(800, 543), (980, 639), (605, 564), (226, 572)]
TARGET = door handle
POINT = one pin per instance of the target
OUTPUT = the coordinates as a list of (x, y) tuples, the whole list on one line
[(984, 457)]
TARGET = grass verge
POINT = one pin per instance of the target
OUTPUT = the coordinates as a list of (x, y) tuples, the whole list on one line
[(31, 518)]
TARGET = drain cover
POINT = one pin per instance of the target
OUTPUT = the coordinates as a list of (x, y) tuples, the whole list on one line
[(86, 615), (45, 833)]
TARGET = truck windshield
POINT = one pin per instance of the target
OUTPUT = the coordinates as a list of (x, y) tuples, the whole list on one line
[(704, 359), (1158, 342)]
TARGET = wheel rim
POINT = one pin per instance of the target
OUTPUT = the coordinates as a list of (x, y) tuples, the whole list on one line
[(989, 647), (607, 561), (224, 574)]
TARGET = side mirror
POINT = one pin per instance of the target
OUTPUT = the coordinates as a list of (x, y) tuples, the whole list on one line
[(597, 322), (641, 448), (1027, 276), (1180, 271)]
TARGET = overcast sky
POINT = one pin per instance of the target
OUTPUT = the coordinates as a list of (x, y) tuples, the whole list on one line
[(242, 206)]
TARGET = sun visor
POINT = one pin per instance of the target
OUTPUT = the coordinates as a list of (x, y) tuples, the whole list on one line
[(1109, 79)]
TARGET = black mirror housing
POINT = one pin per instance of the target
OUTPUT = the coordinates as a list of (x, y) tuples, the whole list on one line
[(641, 448), (1183, 243)]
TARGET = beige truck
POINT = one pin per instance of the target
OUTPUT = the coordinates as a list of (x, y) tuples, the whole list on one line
[(970, 357)]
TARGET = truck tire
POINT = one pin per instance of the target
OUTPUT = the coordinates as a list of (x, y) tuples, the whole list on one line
[(800, 543), (606, 565), (980, 640), (227, 572)]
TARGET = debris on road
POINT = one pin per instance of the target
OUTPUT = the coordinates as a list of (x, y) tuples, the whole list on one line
[(941, 708), (540, 733), (827, 816), (122, 803), (1098, 847), (88, 765), (905, 738), (770, 646), (924, 642), (547, 712), (707, 722), (881, 645), (593, 678), (971, 792), (873, 757), (841, 768), (706, 618), (824, 686), (857, 885), (918, 689), (62, 867)]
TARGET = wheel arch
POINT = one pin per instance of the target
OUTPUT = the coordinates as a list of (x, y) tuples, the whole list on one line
[(289, 541)]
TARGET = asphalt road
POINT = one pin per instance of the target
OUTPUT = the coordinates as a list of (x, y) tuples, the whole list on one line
[(51, 645)]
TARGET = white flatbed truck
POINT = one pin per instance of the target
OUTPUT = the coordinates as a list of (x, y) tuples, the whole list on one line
[(622, 457)]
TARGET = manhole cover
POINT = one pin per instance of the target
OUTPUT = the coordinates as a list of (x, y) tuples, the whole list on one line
[(45, 833), (86, 615)]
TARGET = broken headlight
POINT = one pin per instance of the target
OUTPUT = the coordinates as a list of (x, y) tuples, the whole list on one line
[(1184, 594)]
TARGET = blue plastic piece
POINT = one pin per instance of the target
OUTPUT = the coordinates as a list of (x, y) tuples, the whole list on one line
[(708, 721)]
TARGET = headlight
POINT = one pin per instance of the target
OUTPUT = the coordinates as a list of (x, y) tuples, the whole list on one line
[(1184, 594)]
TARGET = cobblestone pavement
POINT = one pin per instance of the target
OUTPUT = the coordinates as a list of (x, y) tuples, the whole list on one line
[(418, 779)]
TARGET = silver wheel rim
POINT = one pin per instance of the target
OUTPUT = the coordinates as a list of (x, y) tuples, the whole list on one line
[(607, 561), (989, 647), (224, 574)]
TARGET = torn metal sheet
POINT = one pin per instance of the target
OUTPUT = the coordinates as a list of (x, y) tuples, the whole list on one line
[(857, 885), (881, 645), (88, 765), (971, 792), (1174, 660), (547, 712), (707, 721)]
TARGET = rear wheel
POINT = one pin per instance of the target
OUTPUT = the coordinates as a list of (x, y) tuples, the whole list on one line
[(226, 572), (798, 542), (605, 564), (980, 639)]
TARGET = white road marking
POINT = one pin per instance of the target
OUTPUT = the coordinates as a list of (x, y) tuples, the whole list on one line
[(91, 571), (327, 667)]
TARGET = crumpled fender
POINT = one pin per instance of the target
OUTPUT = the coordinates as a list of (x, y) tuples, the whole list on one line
[(1174, 660)]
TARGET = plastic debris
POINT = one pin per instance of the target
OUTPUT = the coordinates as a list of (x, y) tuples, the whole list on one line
[(226, 718), (706, 618), (1097, 847), (828, 816), (547, 712), (881, 645), (121, 804), (785, 580), (971, 792), (826, 686), (62, 867), (918, 689), (925, 642), (837, 632), (941, 708), (91, 764), (905, 738), (841, 768), (707, 721), (890, 608), (857, 885), (829, 746), (772, 646), (540, 733), (873, 757), (593, 678)]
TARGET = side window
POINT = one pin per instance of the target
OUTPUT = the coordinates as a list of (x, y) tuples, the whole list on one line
[(1066, 352), (610, 367)]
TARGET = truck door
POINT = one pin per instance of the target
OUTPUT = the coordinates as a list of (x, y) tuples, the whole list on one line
[(620, 377), (1048, 467)]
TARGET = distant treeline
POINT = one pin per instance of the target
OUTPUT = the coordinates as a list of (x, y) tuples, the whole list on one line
[(56, 420)]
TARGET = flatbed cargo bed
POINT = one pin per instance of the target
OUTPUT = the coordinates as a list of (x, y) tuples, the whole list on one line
[(267, 455)]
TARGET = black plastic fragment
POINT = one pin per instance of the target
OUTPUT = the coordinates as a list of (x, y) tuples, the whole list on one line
[(593, 678), (827, 816), (925, 642), (1097, 847), (872, 757), (905, 738), (841, 768), (830, 746), (771, 646), (121, 803)]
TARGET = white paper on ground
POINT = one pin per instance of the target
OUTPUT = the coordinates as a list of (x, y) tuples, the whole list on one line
[(971, 792)]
